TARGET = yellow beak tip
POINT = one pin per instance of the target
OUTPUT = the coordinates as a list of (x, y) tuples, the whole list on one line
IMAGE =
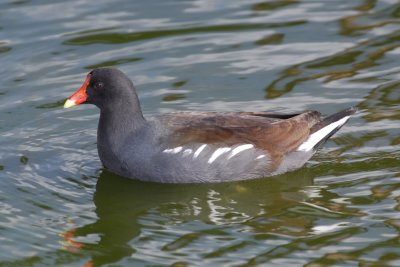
[(69, 103)]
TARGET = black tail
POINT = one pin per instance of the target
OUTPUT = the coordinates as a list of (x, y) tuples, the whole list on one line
[(333, 118), (323, 130)]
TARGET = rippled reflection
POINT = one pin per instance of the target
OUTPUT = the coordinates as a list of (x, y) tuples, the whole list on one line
[(152, 215), (59, 208)]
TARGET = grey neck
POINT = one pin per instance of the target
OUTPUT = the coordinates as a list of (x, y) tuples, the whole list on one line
[(117, 122)]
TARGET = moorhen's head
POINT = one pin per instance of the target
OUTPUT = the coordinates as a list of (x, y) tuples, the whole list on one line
[(103, 87)]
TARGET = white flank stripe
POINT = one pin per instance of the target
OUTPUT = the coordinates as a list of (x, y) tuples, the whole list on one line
[(260, 157), (187, 152), (240, 149), (218, 153), (198, 151), (320, 134), (173, 150)]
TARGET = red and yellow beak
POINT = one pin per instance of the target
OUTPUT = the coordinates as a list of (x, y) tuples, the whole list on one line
[(79, 96)]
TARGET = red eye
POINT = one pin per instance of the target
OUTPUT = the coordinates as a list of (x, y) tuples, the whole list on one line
[(98, 85)]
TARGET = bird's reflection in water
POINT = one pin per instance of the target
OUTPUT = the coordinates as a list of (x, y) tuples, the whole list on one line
[(127, 209)]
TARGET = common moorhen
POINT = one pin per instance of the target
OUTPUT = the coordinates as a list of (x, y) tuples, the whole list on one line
[(197, 147)]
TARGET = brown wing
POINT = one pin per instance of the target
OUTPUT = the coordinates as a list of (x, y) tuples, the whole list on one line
[(277, 134)]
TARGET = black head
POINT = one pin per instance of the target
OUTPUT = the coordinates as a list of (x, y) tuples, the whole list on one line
[(104, 87)]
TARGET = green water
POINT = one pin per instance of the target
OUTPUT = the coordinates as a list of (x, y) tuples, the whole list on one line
[(58, 207)]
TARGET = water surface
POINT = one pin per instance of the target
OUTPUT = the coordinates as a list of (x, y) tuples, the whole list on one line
[(59, 207)]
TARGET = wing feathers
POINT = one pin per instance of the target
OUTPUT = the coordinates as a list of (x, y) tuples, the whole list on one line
[(277, 134)]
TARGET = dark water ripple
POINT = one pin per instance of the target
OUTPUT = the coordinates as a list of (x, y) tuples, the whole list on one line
[(58, 207)]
